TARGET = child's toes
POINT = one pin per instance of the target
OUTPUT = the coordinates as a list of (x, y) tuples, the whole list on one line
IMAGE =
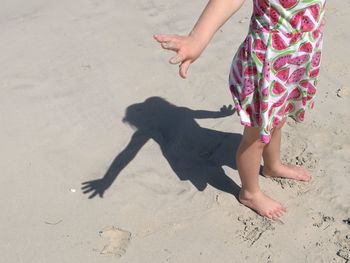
[(303, 174), (272, 215), (279, 213)]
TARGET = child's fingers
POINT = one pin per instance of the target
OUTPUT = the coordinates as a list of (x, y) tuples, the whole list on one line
[(170, 45), (178, 58), (184, 68), (164, 38)]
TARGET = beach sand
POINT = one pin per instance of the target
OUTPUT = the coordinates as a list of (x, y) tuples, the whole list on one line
[(86, 91)]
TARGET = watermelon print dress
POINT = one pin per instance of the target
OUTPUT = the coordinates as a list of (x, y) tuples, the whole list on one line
[(275, 70)]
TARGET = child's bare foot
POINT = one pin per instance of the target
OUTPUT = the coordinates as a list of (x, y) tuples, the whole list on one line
[(288, 171), (262, 204)]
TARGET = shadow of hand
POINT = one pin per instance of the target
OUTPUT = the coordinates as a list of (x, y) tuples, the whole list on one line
[(227, 110), (95, 187)]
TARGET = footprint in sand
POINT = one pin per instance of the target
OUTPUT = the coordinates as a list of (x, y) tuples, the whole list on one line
[(113, 241), (342, 241), (297, 151), (254, 227), (321, 220), (340, 238)]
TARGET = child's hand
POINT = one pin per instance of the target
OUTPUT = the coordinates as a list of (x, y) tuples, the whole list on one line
[(187, 49)]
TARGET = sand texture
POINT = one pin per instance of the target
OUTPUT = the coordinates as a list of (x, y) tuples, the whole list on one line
[(86, 93)]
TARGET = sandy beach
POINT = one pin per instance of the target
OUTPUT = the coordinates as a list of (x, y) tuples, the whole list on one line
[(86, 92)]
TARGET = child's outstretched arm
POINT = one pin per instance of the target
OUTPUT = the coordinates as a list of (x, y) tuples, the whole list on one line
[(188, 48)]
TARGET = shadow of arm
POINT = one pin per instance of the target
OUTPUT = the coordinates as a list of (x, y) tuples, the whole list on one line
[(204, 114), (99, 186)]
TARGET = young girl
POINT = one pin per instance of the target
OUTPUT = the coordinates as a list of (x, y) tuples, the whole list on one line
[(273, 75)]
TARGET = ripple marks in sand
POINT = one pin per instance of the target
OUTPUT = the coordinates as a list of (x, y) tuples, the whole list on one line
[(113, 241)]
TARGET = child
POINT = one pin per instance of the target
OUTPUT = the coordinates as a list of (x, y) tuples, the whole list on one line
[(273, 75)]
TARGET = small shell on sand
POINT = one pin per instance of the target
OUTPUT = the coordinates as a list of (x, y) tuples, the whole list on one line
[(343, 92)]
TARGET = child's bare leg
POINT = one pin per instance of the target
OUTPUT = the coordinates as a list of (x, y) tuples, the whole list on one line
[(272, 159), (248, 159)]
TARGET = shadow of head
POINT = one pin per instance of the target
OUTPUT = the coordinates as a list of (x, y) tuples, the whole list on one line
[(153, 113)]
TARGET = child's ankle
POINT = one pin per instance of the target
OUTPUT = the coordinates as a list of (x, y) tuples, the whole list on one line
[(247, 193), (272, 168)]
